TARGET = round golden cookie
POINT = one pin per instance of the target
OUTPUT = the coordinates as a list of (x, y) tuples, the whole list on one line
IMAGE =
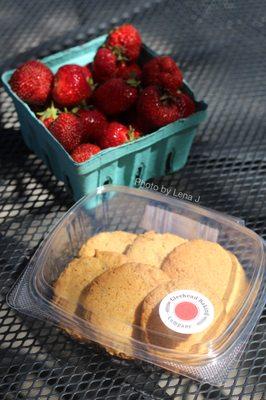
[(75, 277), (151, 248), (155, 331), (116, 241), (239, 288), (201, 260), (112, 303), (110, 258)]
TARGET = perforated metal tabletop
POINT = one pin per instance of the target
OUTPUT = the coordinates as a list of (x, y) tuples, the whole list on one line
[(221, 47)]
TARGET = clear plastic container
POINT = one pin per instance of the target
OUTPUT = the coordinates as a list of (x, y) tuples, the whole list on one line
[(112, 208)]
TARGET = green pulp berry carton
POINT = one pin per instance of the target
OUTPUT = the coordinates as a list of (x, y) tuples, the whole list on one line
[(163, 151)]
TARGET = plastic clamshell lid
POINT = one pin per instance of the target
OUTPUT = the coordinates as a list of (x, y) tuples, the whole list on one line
[(112, 208)]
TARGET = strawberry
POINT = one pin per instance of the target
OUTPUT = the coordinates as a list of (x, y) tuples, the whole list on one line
[(104, 65), (141, 125), (70, 86), (116, 96), (164, 72), (86, 72), (84, 151), (68, 130), (88, 75), (133, 133), (93, 124), (32, 82), (47, 122), (127, 39), (49, 115), (116, 134), (129, 71), (156, 108), (131, 118), (185, 104)]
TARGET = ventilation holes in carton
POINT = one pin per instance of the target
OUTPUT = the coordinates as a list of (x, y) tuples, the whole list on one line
[(169, 162), (139, 175), (108, 181)]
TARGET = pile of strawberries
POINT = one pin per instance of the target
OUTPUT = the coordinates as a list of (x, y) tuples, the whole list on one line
[(109, 102)]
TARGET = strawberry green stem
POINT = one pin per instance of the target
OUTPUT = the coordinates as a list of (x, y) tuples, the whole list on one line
[(131, 133), (50, 112), (133, 82)]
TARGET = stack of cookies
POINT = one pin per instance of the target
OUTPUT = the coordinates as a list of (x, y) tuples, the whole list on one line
[(156, 289)]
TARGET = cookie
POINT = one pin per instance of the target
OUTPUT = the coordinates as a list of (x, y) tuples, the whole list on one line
[(76, 276), (202, 261), (156, 332), (239, 288), (151, 248), (111, 259), (112, 303), (68, 287), (116, 241)]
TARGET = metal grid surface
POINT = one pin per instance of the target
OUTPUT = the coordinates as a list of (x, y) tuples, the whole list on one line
[(221, 47)]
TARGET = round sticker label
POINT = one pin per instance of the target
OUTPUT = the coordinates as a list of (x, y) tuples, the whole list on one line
[(186, 311)]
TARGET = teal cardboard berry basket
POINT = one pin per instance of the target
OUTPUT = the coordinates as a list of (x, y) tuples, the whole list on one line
[(163, 151)]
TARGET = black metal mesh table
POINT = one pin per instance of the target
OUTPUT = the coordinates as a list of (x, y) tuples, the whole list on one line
[(221, 47)]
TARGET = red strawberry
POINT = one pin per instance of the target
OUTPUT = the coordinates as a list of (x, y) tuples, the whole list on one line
[(86, 72), (84, 151), (32, 82), (163, 71), (156, 108), (88, 75), (68, 130), (141, 125), (129, 71), (104, 65), (131, 118), (133, 133), (70, 86), (47, 122), (49, 115), (126, 38), (185, 104), (93, 124), (116, 96), (116, 134)]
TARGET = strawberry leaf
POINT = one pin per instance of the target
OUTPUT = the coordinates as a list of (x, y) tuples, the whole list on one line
[(131, 133), (133, 82), (50, 112)]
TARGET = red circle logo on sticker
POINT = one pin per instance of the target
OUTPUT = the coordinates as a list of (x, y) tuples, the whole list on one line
[(186, 311)]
